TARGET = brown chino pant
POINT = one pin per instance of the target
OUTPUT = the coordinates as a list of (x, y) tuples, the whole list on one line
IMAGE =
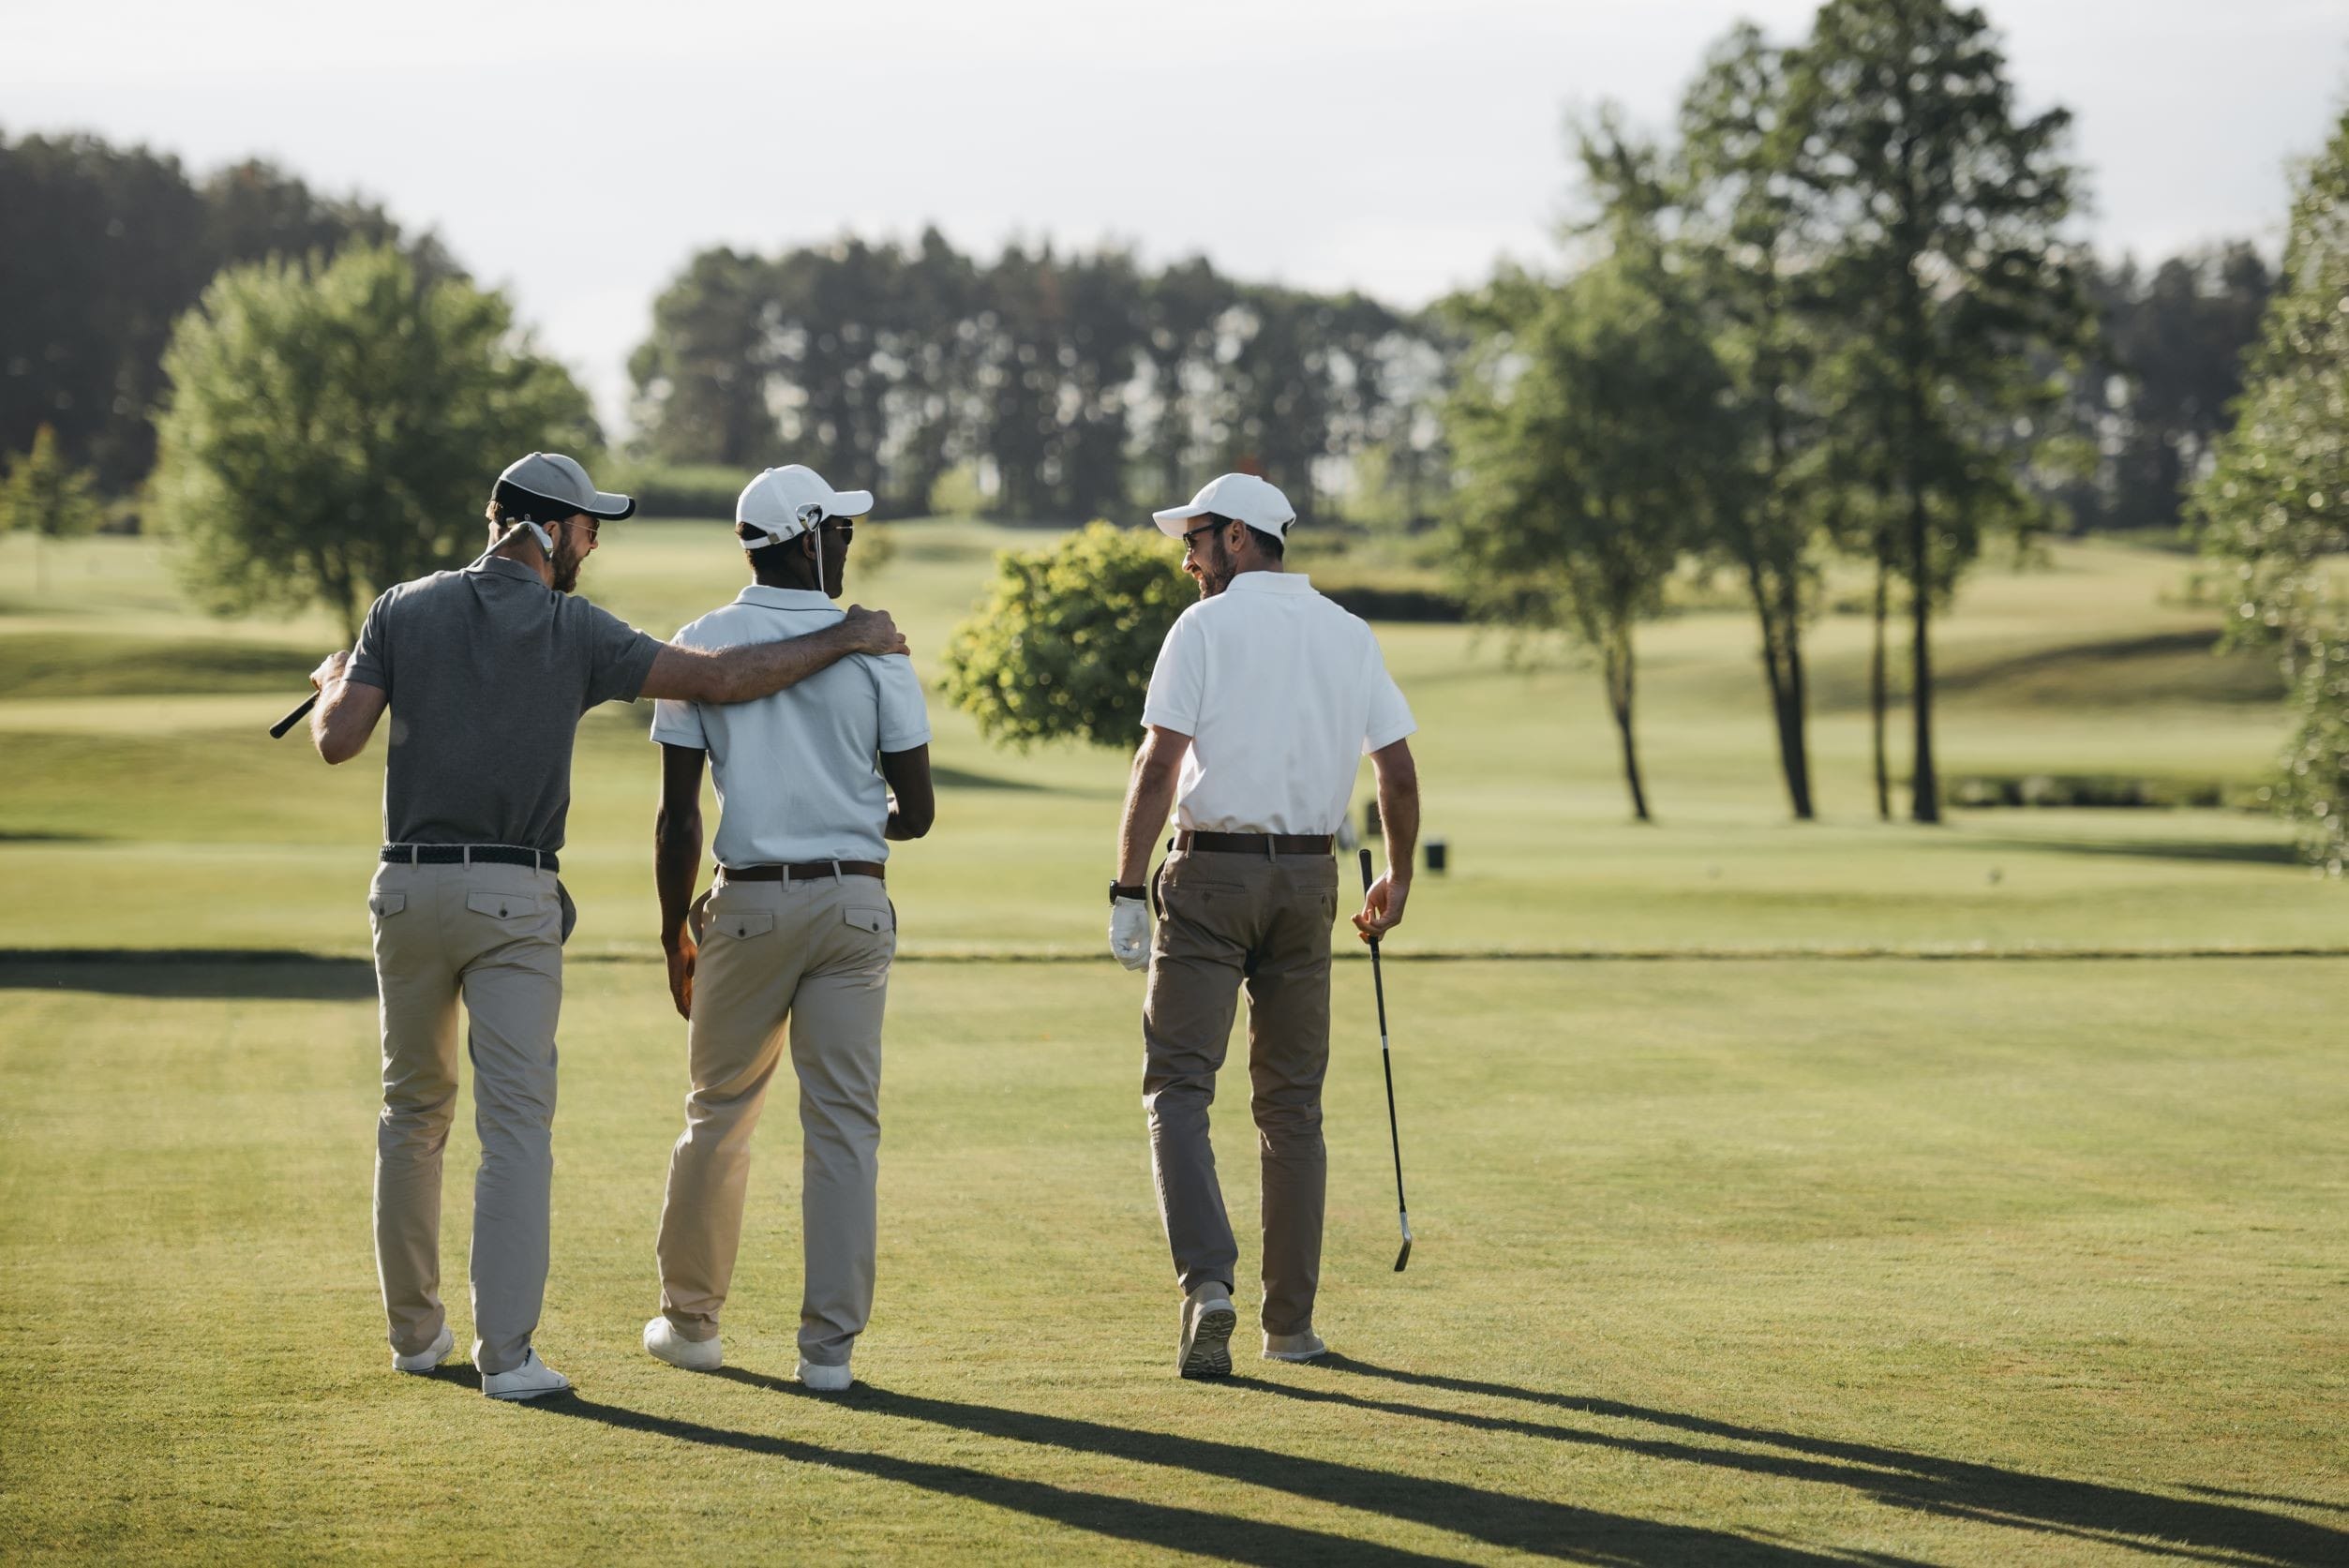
[(491, 935), (1228, 922), (814, 954)]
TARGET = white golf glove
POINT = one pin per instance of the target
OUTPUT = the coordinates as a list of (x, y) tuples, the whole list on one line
[(1129, 932)]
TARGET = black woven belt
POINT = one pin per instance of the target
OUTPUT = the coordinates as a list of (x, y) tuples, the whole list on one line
[(806, 872), (467, 853), (1255, 843)]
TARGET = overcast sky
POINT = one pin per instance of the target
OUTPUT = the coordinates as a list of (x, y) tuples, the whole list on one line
[(576, 153)]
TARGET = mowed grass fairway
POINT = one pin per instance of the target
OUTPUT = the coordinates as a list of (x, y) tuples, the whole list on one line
[(1972, 1249)]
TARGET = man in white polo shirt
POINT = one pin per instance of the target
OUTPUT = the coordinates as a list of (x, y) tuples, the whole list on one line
[(799, 928), (1263, 700)]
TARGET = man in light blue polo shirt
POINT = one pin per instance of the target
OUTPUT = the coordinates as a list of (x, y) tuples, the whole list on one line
[(797, 930)]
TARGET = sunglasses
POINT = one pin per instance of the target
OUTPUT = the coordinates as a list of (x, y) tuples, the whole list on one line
[(1190, 540)]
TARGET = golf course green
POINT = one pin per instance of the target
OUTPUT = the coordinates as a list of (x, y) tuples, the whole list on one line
[(1836, 1192)]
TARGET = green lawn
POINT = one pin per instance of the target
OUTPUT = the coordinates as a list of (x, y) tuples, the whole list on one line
[(1780, 1258)]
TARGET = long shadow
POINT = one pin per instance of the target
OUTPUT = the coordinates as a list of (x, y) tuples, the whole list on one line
[(1499, 1518), (1186, 1529), (963, 778), (274, 975), (2222, 1531)]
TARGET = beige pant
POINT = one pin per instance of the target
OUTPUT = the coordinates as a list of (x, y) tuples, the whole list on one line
[(1228, 921), (491, 934), (814, 954)]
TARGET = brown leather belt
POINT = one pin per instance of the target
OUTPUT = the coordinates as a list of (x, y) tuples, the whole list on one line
[(1267, 844), (808, 872)]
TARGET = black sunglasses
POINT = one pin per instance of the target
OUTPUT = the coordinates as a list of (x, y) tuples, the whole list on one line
[(1190, 540)]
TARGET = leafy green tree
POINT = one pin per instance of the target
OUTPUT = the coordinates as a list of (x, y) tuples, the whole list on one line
[(1947, 270), (47, 498), (333, 428), (2276, 504), (102, 248), (1063, 646), (1573, 429)]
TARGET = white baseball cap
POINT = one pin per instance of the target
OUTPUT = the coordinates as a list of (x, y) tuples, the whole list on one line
[(562, 481), (783, 503), (1242, 496)]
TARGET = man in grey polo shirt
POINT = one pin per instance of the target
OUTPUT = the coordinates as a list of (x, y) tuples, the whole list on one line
[(1263, 702), (798, 929), (485, 673)]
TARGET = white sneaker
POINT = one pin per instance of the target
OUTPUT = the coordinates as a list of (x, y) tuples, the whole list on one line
[(1205, 1349), (1294, 1347), (532, 1379), (426, 1359), (825, 1380), (695, 1356)]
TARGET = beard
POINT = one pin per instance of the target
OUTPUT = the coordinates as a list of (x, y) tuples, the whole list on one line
[(564, 569), (1215, 571)]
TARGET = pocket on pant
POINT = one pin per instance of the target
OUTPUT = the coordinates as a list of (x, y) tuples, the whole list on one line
[(878, 921), (383, 905), (503, 907), (739, 923)]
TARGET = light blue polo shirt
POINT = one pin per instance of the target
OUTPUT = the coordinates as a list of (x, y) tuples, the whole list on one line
[(796, 774)]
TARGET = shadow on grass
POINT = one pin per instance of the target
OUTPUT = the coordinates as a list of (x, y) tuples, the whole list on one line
[(1499, 1518), (1184, 1529), (2223, 850), (193, 972), (963, 778), (2211, 1532)]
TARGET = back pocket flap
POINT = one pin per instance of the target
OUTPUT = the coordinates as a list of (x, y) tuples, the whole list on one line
[(875, 920), (502, 906), (381, 904), (741, 922)]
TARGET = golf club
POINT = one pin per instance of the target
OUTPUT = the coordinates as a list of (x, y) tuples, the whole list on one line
[(277, 730), (1386, 1063)]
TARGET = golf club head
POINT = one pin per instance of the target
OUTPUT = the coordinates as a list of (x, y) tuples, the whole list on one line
[(1404, 1256)]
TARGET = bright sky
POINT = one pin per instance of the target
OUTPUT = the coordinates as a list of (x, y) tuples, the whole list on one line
[(577, 152)]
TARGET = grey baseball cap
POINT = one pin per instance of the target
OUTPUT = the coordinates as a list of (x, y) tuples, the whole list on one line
[(562, 481)]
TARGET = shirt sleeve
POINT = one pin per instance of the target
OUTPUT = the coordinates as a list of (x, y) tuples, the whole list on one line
[(904, 717), (675, 721), (372, 658), (1178, 681), (1390, 715), (618, 657)]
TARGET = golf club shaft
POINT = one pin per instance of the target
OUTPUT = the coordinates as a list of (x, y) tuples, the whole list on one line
[(1386, 1060), (277, 730)]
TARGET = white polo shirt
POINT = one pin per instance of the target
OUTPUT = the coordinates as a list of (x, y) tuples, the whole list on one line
[(1281, 693), (795, 771)]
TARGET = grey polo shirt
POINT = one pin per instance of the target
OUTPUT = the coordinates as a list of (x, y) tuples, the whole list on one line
[(795, 771), (487, 671)]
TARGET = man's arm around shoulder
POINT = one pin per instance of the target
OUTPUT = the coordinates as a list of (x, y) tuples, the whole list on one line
[(760, 669)]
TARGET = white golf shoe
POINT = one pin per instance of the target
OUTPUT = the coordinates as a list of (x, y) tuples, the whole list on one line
[(1205, 1349), (426, 1359), (664, 1343), (532, 1379), (1294, 1347), (825, 1380)]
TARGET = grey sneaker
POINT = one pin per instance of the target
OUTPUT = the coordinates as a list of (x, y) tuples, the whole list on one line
[(532, 1379), (1205, 1349), (1294, 1347)]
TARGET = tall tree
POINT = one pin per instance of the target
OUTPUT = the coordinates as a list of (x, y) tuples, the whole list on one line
[(701, 377), (102, 249), (333, 428), (2276, 505), (1950, 267), (1573, 426), (47, 497), (1744, 244)]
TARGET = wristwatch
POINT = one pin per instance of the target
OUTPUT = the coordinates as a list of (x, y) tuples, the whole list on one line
[(1127, 889)]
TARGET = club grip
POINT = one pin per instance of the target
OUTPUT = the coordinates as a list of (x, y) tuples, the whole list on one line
[(1366, 869), (277, 730)]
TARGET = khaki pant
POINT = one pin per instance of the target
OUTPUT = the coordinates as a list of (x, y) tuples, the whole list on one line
[(1228, 921), (491, 934), (815, 954)]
